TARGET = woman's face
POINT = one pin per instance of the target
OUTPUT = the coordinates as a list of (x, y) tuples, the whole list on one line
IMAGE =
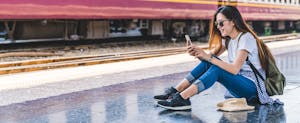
[(224, 25)]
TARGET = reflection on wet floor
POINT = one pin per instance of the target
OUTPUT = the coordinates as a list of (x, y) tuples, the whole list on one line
[(132, 102)]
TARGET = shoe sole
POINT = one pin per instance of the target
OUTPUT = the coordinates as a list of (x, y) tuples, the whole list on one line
[(176, 108)]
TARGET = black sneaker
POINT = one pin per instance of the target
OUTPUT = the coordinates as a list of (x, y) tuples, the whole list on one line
[(167, 95), (176, 103)]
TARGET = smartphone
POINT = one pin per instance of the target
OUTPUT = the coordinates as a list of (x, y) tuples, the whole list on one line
[(188, 40)]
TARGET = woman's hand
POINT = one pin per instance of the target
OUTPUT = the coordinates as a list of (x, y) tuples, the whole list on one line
[(198, 52), (192, 50)]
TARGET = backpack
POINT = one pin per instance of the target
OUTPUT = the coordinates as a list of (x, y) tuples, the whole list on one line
[(275, 81)]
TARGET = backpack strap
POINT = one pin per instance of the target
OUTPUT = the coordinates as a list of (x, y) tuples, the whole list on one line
[(254, 69), (227, 41)]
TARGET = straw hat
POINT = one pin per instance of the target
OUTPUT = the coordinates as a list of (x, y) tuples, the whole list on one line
[(234, 104)]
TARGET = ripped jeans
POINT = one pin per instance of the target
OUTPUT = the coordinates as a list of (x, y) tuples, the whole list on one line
[(206, 74)]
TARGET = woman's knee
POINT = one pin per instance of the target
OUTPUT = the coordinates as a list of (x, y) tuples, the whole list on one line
[(195, 79), (215, 68), (198, 71), (206, 64)]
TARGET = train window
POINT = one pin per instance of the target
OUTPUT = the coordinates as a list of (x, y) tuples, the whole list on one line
[(124, 28), (144, 24), (3, 32), (117, 26)]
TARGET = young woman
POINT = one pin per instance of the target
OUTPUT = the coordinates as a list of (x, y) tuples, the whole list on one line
[(228, 31)]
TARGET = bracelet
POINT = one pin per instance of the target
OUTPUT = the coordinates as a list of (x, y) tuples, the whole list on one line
[(210, 58)]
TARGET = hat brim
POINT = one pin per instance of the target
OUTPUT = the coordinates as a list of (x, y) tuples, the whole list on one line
[(244, 108)]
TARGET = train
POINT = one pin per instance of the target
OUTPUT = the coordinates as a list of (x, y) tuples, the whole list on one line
[(47, 20)]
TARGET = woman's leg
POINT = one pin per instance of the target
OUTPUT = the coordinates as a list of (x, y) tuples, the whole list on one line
[(185, 83), (237, 84), (191, 77)]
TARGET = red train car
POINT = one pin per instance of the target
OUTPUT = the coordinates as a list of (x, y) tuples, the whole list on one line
[(99, 19), (104, 9)]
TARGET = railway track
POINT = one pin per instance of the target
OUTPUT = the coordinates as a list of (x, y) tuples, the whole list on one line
[(43, 64)]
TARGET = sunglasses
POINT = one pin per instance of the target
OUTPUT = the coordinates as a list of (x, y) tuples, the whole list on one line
[(220, 23)]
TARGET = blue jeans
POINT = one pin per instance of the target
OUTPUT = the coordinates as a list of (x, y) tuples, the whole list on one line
[(206, 74)]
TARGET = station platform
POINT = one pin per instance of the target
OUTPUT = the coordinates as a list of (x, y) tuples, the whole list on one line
[(123, 92)]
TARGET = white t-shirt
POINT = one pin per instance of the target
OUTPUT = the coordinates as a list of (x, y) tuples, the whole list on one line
[(247, 42)]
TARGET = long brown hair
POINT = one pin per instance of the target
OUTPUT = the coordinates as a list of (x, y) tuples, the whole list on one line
[(232, 13)]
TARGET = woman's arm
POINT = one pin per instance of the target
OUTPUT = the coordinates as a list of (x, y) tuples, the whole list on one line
[(213, 51), (234, 67)]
